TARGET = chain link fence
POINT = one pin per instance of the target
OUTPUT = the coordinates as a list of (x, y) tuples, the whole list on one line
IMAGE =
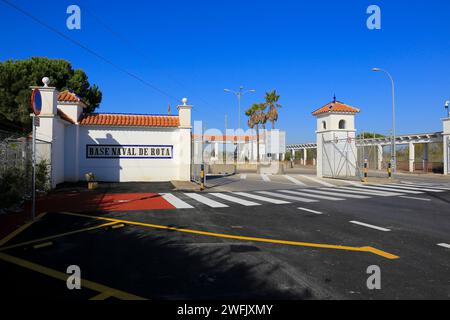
[(16, 169)]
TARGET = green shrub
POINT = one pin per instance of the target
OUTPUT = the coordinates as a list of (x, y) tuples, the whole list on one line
[(12, 187), (15, 183), (42, 176)]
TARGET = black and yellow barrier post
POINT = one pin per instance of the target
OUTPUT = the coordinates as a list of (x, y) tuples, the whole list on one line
[(366, 170), (390, 170), (202, 177)]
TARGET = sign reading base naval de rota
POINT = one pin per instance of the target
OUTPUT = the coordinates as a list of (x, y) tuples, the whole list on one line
[(128, 152)]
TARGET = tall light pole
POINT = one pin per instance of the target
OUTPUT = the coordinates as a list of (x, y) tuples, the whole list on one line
[(447, 103), (239, 95), (394, 137)]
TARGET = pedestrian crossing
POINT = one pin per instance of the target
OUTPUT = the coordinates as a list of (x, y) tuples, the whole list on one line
[(302, 180), (217, 200)]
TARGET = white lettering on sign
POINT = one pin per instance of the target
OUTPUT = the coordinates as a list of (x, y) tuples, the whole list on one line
[(128, 152)]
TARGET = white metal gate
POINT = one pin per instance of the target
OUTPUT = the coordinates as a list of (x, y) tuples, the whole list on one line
[(339, 158)]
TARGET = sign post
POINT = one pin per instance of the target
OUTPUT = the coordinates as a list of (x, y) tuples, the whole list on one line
[(36, 105)]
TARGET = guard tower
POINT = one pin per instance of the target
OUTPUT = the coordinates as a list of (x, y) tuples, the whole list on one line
[(336, 145)]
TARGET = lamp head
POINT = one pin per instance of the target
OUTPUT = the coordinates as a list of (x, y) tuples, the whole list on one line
[(376, 69), (447, 104)]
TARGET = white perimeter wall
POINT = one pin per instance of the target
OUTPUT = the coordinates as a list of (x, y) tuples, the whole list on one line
[(128, 170)]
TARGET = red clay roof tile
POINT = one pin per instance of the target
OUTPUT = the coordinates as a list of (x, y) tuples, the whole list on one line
[(67, 96), (130, 120), (335, 107)]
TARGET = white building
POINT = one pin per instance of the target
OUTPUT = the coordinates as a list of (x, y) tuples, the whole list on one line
[(336, 135), (114, 147)]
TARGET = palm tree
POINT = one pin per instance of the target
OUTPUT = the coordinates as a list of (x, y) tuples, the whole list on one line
[(272, 98), (256, 116)]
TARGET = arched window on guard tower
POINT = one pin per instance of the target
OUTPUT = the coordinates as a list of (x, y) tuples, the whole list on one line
[(342, 124)]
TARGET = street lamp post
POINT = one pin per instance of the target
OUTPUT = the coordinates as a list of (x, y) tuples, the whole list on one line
[(239, 95), (447, 103), (394, 137)]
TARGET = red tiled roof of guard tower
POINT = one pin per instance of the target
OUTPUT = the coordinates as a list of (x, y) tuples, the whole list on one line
[(336, 106), (129, 120), (67, 96)]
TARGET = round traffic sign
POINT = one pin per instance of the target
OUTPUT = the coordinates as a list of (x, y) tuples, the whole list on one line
[(36, 102)]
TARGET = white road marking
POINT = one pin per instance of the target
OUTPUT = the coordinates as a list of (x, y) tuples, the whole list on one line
[(358, 190), (309, 210), (414, 198), (285, 196), (410, 188), (243, 176), (353, 183), (176, 202), (390, 189), (265, 177), (444, 245), (227, 197), (316, 196), (261, 198), (370, 226), (427, 185), (209, 202), (317, 180), (292, 179), (339, 194)]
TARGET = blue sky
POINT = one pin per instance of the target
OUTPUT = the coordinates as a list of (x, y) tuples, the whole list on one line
[(306, 50)]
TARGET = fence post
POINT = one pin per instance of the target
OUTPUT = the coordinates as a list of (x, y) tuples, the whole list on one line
[(366, 170), (202, 178), (390, 170)]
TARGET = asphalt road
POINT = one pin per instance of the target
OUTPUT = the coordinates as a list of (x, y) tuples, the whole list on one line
[(203, 252)]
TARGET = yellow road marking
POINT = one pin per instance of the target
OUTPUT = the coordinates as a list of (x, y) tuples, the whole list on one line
[(245, 238), (43, 245), (102, 296), (62, 276), (57, 236), (19, 230)]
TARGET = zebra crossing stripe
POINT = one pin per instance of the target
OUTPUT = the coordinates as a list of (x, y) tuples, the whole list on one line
[(227, 197), (209, 202), (311, 195), (390, 189), (339, 194), (265, 177), (427, 185), (261, 198), (316, 180), (176, 202), (358, 190), (414, 198), (285, 196), (412, 188), (295, 181), (352, 183)]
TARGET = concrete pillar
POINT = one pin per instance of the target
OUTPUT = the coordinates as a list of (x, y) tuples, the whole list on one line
[(293, 154), (446, 136), (412, 157), (425, 157), (216, 151), (380, 157), (446, 154), (305, 157)]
